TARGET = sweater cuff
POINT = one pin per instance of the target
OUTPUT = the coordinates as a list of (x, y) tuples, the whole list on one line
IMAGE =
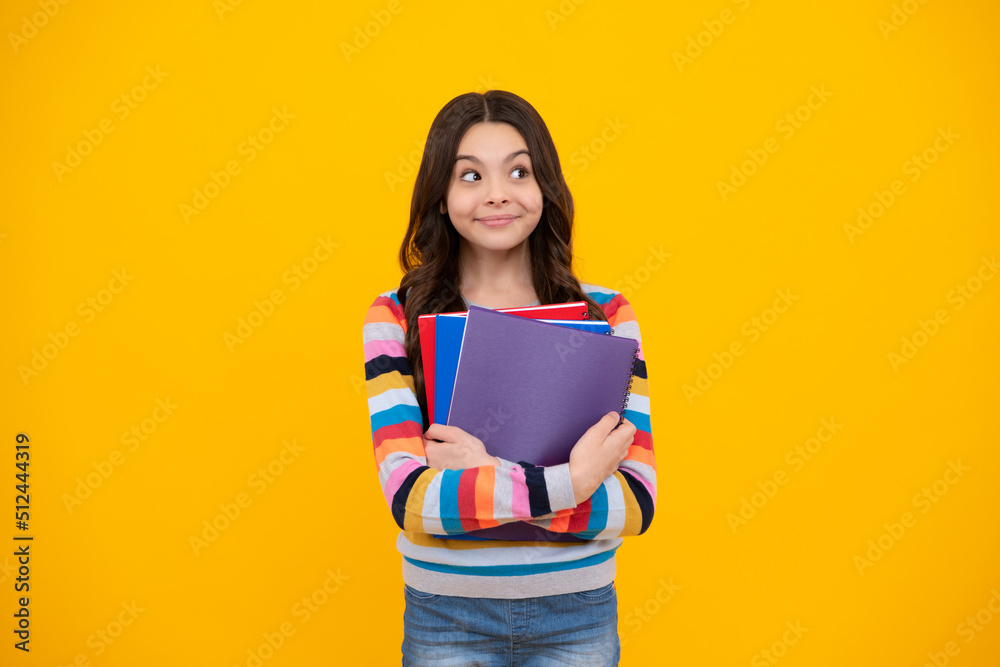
[(559, 485), (505, 464)]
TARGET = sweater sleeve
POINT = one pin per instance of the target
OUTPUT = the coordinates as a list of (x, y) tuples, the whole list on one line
[(424, 499), (623, 505)]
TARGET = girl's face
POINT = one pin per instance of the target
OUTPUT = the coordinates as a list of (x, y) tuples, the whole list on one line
[(493, 199)]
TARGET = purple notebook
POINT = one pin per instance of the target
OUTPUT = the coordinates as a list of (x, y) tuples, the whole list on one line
[(529, 389)]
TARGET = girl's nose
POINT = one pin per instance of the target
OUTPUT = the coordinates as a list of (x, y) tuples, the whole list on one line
[(496, 194)]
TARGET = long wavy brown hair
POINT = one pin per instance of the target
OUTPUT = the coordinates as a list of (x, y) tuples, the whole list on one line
[(430, 248)]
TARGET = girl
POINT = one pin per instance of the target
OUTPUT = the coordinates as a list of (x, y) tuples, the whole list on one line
[(490, 224)]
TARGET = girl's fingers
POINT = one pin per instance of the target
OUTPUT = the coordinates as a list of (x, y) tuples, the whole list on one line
[(442, 432), (431, 430)]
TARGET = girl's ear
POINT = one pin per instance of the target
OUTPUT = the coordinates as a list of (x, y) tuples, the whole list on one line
[(443, 208)]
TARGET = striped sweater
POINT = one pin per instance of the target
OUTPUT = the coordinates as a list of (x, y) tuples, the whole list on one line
[(435, 509)]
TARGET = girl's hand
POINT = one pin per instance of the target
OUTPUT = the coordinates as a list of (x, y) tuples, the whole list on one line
[(596, 455), (456, 451)]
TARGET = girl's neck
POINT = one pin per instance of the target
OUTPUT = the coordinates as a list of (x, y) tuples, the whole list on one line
[(497, 279)]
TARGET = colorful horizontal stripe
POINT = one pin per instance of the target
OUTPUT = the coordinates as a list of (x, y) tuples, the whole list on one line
[(513, 570)]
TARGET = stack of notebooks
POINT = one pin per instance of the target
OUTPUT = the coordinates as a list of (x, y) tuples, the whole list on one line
[(528, 382)]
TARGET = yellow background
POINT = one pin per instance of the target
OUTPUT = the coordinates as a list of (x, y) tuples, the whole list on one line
[(645, 138)]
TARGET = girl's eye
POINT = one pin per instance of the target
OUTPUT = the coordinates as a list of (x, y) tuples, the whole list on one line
[(469, 176), (522, 170)]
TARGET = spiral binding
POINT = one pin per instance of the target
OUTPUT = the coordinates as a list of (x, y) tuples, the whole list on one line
[(628, 386)]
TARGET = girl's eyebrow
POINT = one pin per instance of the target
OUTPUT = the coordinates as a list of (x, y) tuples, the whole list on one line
[(473, 158)]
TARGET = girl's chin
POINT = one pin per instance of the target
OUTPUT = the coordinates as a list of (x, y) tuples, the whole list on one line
[(494, 245)]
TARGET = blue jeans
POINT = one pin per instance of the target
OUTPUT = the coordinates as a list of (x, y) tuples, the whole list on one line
[(571, 629)]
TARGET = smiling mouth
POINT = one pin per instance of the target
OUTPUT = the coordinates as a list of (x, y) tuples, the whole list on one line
[(497, 220)]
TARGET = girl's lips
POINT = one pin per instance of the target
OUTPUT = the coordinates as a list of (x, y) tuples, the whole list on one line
[(497, 220)]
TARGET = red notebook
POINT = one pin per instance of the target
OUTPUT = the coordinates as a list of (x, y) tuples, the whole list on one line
[(576, 310)]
